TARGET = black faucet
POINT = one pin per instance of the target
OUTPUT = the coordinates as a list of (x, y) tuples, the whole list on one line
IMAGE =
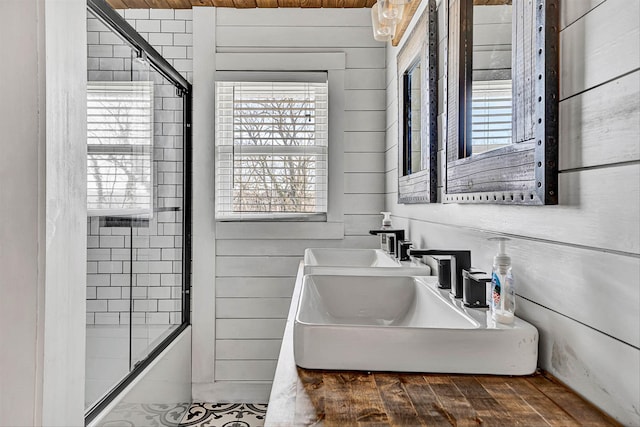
[(474, 290), (398, 236), (460, 260)]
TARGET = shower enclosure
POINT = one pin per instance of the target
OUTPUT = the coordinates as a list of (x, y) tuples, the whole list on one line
[(138, 202)]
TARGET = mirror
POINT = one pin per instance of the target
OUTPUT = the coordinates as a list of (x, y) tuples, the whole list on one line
[(417, 112), (411, 101), (491, 77), (501, 147)]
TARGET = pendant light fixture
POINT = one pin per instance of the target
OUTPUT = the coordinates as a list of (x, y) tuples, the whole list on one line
[(383, 30), (385, 15)]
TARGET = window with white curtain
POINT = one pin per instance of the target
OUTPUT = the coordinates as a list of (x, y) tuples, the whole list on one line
[(492, 115), (271, 149), (119, 148)]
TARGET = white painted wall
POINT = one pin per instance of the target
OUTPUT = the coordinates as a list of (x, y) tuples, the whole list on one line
[(42, 212), (577, 264), (244, 273)]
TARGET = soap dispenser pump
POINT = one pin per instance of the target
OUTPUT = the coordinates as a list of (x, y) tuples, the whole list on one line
[(386, 224), (503, 293)]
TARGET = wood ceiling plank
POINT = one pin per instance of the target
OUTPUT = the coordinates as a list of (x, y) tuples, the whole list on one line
[(245, 4), (289, 3), (355, 3), (207, 3), (179, 4), (136, 4), (158, 4), (117, 4), (267, 3), (333, 3), (409, 11), (311, 3)]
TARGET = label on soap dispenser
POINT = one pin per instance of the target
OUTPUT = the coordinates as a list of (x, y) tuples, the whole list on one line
[(495, 290)]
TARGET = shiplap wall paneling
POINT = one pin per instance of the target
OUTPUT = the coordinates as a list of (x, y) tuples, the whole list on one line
[(582, 358), (572, 10), (591, 211), (356, 58), (365, 121), (299, 36), (252, 308), (600, 46), (247, 349), (365, 142), (245, 370), (577, 264), (239, 287), (365, 79), (363, 182), (256, 230), (287, 247), (600, 126), (356, 225), (256, 265), (250, 328)]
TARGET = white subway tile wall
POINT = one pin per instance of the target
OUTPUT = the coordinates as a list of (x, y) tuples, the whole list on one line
[(142, 263)]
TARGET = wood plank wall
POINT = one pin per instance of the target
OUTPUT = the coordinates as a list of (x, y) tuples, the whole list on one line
[(255, 273), (577, 264)]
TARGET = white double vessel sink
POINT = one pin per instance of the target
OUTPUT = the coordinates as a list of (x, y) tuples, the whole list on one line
[(360, 309)]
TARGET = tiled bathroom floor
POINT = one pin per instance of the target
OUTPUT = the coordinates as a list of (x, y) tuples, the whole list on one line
[(225, 415)]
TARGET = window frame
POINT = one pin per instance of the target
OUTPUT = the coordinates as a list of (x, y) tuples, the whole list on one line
[(227, 65), (275, 77)]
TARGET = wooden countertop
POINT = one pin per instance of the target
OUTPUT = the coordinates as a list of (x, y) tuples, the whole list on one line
[(302, 397)]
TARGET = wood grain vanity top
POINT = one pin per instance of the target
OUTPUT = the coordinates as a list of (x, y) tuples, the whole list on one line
[(302, 397), (401, 399)]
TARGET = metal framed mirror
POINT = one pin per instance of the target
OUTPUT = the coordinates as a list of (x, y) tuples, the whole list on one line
[(502, 102), (417, 112)]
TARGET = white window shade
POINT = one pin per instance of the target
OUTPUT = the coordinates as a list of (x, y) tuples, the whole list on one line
[(492, 115), (271, 149), (119, 148)]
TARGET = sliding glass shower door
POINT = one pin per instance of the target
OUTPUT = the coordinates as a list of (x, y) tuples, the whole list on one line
[(138, 214)]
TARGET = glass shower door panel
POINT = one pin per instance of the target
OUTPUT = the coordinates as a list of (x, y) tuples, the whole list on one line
[(157, 293), (108, 230)]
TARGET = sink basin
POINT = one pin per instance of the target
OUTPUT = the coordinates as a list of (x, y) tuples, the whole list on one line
[(359, 262), (403, 324)]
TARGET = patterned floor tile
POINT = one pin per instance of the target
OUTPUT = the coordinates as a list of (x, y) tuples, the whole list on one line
[(144, 415), (225, 415)]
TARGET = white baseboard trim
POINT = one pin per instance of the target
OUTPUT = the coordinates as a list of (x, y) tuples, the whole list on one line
[(231, 392)]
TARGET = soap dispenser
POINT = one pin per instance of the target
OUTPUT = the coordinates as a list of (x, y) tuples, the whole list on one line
[(386, 224), (503, 293)]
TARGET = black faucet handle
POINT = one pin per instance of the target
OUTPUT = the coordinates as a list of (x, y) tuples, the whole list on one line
[(397, 235), (476, 275), (461, 259), (403, 248), (474, 288)]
